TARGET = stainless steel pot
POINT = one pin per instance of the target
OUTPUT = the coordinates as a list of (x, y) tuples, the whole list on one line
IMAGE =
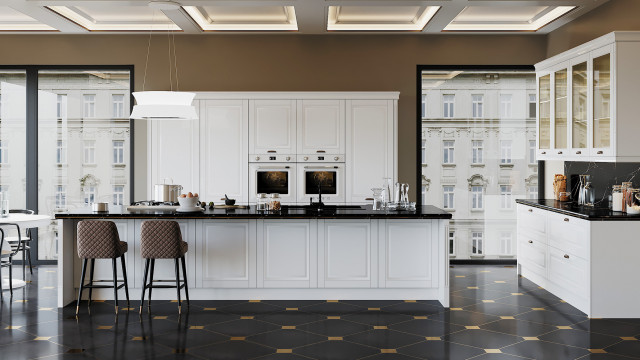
[(166, 192)]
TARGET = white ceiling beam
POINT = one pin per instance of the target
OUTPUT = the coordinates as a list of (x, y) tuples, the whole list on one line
[(45, 16), (311, 16), (184, 21), (444, 16)]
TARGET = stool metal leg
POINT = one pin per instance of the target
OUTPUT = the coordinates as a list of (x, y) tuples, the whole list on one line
[(115, 283), (153, 266), (24, 263), (29, 258), (124, 275), (10, 278), (178, 284), (84, 269), (144, 282), (184, 277), (93, 266)]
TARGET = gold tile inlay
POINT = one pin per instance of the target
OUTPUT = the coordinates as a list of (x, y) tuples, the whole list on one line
[(160, 317), (488, 301), (246, 317), (530, 338), (380, 328), (493, 351), (180, 351), (127, 309), (473, 287), (105, 327), (334, 338), (432, 338), (210, 309), (564, 327), (628, 338), (48, 287), (597, 351), (507, 317), (97, 300), (537, 309), (517, 294), (45, 309), (237, 338), (420, 317), (254, 301), (138, 338), (50, 271), (460, 276), (292, 309), (284, 351), (21, 301), (196, 327), (332, 300), (562, 301), (40, 338), (472, 327), (485, 271), (373, 309), (388, 351), (410, 301), (455, 309), (333, 317), (500, 282), (13, 327), (288, 327)]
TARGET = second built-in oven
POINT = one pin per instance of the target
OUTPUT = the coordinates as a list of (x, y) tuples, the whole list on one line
[(325, 178), (271, 178)]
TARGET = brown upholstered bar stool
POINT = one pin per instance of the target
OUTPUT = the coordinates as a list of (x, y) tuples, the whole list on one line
[(99, 239), (161, 239)]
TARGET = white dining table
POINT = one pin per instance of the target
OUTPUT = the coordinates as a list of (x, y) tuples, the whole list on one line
[(24, 222)]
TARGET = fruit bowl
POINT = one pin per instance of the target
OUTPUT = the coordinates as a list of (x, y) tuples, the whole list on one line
[(188, 202)]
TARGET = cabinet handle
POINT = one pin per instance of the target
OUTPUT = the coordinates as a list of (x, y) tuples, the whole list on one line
[(599, 152), (578, 152), (320, 151), (559, 152), (368, 199), (566, 256), (566, 219), (530, 210), (544, 152), (530, 241), (271, 151)]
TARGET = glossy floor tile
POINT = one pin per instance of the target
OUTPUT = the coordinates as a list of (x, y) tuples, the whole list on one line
[(494, 315)]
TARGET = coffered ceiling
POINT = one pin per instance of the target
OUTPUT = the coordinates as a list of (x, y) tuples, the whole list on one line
[(293, 16)]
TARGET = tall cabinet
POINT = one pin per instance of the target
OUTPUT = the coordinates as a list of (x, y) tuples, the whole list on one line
[(587, 101)]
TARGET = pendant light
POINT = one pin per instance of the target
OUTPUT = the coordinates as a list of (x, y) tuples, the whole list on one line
[(164, 105)]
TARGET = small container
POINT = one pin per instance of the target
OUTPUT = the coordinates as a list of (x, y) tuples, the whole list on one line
[(100, 207), (564, 196), (633, 204), (274, 202), (378, 202), (262, 202), (625, 194), (616, 198)]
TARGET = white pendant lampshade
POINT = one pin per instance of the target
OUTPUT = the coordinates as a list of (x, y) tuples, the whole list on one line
[(164, 105)]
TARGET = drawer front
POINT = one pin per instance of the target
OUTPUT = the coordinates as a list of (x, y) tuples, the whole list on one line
[(569, 234), (532, 219), (569, 272), (532, 254)]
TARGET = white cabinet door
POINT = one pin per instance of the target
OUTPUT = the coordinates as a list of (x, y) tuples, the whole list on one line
[(370, 147), (408, 254), (175, 153), (286, 253), (347, 254), (223, 148), (272, 126), (226, 254), (321, 127)]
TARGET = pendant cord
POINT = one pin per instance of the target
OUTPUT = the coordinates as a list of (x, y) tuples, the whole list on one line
[(175, 59), (146, 63), (170, 62)]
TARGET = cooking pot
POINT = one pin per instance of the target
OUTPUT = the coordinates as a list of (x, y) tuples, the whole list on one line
[(166, 192)]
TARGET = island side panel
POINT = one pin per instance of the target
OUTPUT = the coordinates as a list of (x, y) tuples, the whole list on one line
[(66, 251)]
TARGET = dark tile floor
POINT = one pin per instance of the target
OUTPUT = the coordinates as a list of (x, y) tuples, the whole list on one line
[(493, 315)]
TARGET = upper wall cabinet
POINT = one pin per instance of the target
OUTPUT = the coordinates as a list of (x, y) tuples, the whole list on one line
[(587, 101), (321, 127), (272, 127)]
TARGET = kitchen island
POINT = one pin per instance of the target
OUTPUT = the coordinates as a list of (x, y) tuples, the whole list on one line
[(344, 253)]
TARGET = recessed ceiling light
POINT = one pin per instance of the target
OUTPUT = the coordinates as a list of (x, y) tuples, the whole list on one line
[(506, 18), (379, 18), (244, 18), (164, 5), (100, 17)]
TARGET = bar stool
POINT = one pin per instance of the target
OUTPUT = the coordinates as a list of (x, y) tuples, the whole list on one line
[(99, 239), (162, 239)]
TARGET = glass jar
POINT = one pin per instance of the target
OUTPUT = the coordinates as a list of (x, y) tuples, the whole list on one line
[(262, 202), (625, 194), (274, 202), (378, 202), (633, 203), (616, 198)]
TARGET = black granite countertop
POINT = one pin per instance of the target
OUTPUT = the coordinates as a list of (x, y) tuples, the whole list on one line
[(571, 208), (365, 212)]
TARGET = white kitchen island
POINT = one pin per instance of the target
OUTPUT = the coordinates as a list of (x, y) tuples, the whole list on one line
[(294, 254)]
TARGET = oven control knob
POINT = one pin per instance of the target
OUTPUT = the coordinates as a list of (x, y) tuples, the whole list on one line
[(257, 158), (336, 158), (288, 158), (305, 158)]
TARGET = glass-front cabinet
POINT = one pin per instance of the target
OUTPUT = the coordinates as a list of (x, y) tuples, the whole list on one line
[(544, 111), (579, 110), (602, 102), (560, 130)]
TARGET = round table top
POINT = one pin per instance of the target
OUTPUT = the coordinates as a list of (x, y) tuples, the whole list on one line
[(26, 220)]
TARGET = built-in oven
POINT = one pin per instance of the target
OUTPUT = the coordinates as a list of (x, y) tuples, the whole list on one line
[(327, 178), (272, 178)]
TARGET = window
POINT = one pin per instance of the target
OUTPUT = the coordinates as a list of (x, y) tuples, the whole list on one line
[(89, 106), (424, 106), (117, 101), (477, 197), (424, 194), (447, 201), (505, 151), (505, 105), (532, 105), (61, 196), (477, 149), (61, 153), (118, 152), (505, 196), (447, 151), (505, 243), (532, 151), (532, 191), (424, 151), (89, 194), (3, 152), (477, 106), (89, 152), (476, 243), (447, 100), (61, 106), (118, 195), (452, 242)]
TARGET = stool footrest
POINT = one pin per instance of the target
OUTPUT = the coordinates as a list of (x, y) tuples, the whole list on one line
[(102, 286)]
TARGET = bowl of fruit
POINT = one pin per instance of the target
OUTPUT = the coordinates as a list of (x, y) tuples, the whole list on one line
[(188, 201)]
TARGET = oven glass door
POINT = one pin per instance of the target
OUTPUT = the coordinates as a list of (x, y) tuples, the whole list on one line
[(273, 181), (325, 179)]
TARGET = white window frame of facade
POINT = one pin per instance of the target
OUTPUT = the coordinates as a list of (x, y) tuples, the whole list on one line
[(4, 152), (506, 196), (61, 102), (506, 106), (448, 197), (448, 105), (423, 193), (506, 149), (89, 152), (118, 196), (61, 196), (477, 152), (61, 152), (90, 194), (424, 106), (532, 194), (532, 101), (118, 152), (452, 243), (477, 106), (448, 152), (477, 198), (89, 106), (532, 152), (506, 242), (117, 106), (477, 242), (424, 151)]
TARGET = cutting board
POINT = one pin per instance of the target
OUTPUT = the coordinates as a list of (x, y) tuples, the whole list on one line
[(230, 206)]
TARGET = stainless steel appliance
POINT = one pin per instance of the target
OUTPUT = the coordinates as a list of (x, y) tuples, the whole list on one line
[(167, 192), (276, 177)]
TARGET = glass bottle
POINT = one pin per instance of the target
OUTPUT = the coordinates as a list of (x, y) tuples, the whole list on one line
[(377, 198), (616, 198), (625, 185), (632, 201)]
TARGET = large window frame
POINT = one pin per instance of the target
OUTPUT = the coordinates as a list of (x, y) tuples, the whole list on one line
[(31, 141)]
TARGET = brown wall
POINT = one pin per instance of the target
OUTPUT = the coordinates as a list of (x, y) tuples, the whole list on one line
[(282, 63)]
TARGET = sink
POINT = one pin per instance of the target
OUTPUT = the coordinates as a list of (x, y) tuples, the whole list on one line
[(325, 207)]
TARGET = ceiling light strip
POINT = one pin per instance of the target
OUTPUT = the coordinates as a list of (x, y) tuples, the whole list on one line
[(290, 25), (533, 26), (71, 15), (334, 25)]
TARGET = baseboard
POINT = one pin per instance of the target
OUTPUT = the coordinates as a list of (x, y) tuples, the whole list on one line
[(483, 262)]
